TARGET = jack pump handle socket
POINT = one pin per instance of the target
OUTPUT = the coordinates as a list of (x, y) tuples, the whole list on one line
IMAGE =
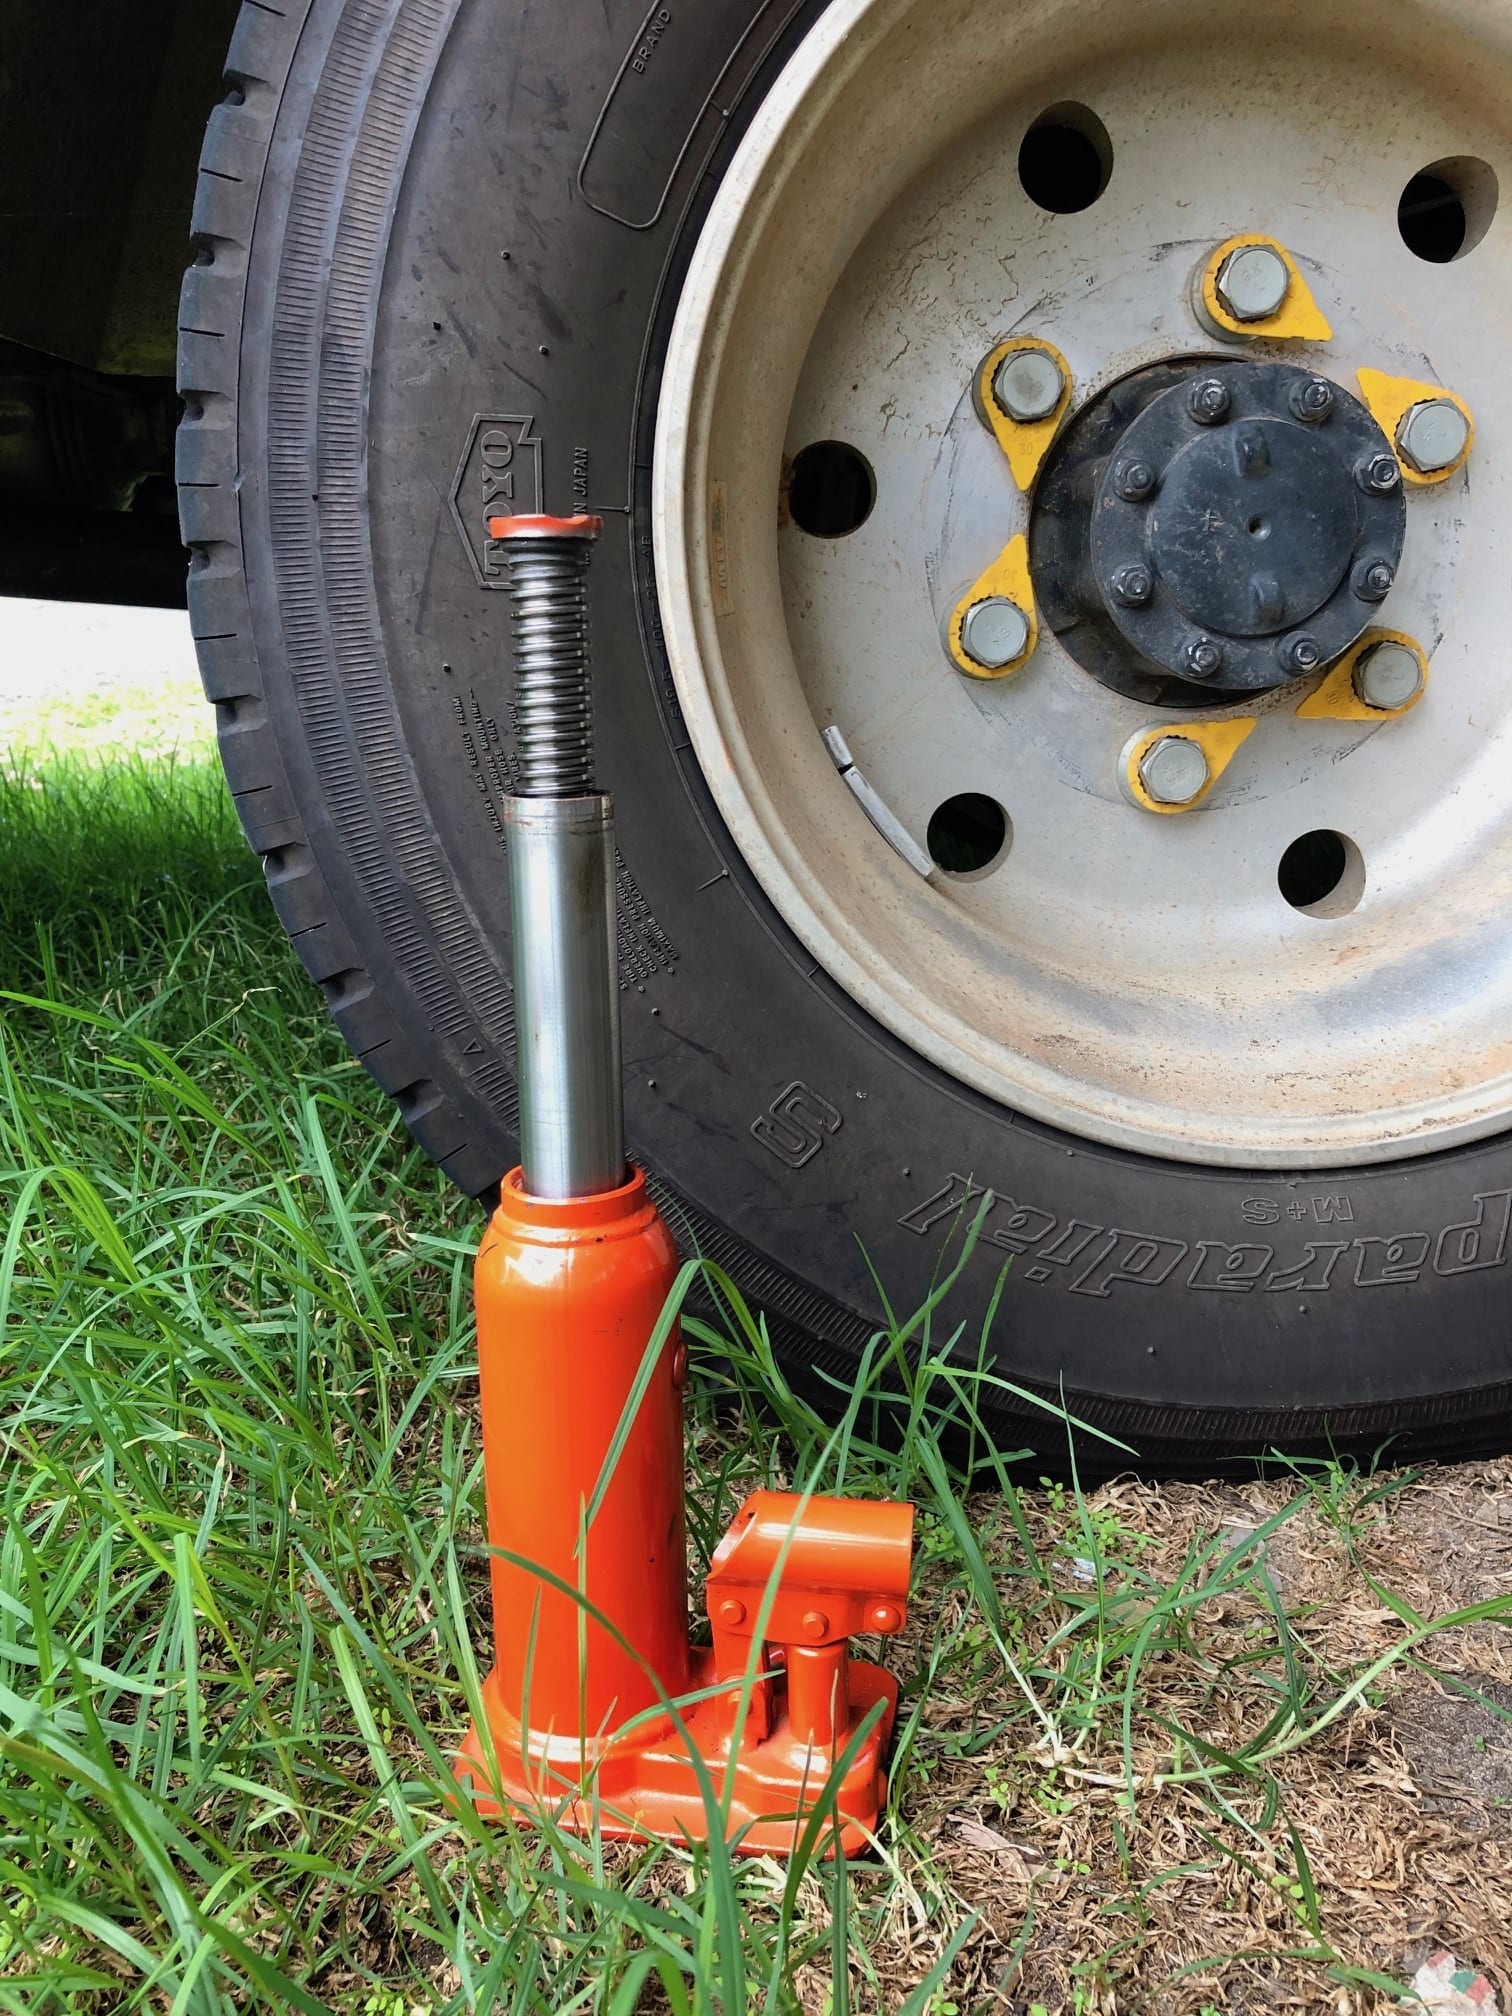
[(559, 831)]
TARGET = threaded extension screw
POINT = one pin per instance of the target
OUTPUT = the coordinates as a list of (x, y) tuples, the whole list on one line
[(548, 562)]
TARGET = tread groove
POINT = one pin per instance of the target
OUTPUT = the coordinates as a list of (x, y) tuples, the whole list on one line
[(237, 143)]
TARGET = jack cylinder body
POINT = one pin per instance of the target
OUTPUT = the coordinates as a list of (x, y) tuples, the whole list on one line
[(566, 978), (568, 1294)]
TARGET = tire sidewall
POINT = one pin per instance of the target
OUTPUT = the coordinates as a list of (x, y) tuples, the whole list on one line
[(457, 254)]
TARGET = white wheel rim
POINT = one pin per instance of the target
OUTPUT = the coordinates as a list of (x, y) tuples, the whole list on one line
[(1132, 979)]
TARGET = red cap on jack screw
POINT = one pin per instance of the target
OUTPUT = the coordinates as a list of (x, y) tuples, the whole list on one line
[(538, 525)]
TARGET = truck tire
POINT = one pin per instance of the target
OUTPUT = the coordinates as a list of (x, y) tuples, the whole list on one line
[(443, 252)]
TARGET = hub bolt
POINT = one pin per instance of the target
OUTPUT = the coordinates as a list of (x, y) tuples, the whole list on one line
[(1379, 475), (1173, 770), (1134, 481), (1432, 436), (1388, 676), (1301, 652), (1372, 580), (1029, 385), (1203, 658), (994, 632), (1253, 282), (1133, 585), (1208, 401), (1314, 400)]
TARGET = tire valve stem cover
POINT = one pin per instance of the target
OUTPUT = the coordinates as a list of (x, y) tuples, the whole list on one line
[(581, 1370)]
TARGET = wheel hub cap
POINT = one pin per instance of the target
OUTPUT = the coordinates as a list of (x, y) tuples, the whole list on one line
[(1241, 519)]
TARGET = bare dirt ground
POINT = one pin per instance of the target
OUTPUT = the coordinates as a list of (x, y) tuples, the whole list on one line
[(1389, 1832)]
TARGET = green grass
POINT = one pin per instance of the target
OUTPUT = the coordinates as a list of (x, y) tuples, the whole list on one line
[(242, 1572), (243, 1579)]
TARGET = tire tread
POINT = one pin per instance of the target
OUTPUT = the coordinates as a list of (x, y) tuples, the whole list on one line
[(211, 302)]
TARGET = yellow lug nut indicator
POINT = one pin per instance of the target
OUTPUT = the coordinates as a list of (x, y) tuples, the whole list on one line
[(1432, 427), (1250, 287), (1023, 391), (1172, 769), (1382, 676), (993, 629)]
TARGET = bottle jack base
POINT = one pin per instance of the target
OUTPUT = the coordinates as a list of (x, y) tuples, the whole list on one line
[(645, 1785), (569, 1297)]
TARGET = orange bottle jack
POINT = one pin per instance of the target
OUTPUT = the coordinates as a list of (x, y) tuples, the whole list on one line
[(598, 1710)]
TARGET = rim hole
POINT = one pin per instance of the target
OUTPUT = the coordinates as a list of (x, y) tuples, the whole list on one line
[(1258, 529), (968, 834), (832, 489), (1447, 208), (1322, 874), (1065, 160)]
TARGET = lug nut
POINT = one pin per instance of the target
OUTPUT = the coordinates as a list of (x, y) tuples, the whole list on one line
[(1301, 652), (1432, 436), (1388, 676), (1134, 481), (1372, 580), (1029, 385), (1208, 401), (1202, 658), (1313, 400), (994, 632), (1378, 475), (1252, 283), (1173, 770), (1133, 585)]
